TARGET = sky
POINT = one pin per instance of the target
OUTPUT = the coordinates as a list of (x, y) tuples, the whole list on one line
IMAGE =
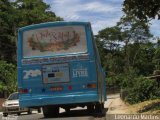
[(101, 13)]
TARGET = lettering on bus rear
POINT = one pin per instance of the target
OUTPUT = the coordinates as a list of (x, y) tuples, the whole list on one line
[(80, 72)]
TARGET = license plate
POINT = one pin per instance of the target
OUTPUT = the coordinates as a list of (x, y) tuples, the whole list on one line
[(59, 74), (56, 73)]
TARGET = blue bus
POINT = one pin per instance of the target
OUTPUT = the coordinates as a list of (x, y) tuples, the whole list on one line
[(59, 66)]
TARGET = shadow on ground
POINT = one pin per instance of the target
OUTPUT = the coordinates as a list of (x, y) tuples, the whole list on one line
[(79, 114)]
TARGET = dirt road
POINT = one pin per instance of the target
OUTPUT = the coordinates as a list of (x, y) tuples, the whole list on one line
[(115, 105)]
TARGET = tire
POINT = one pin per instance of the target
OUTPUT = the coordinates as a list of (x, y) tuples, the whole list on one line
[(67, 110), (99, 109), (39, 110), (50, 111), (18, 113), (90, 108), (29, 111), (5, 114)]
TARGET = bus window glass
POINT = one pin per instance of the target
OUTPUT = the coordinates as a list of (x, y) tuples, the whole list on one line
[(54, 40)]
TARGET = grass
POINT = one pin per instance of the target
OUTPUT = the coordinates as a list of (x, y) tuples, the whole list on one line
[(148, 107)]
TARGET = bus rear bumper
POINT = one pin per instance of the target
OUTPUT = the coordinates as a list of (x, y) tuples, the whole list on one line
[(37, 100)]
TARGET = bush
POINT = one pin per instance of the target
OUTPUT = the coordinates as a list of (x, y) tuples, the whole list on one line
[(142, 89), (8, 77), (156, 72)]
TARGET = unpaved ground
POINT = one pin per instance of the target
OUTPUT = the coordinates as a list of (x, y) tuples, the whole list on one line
[(116, 106)]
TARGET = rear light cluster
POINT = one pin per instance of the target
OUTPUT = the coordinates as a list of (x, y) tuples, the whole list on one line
[(23, 91), (70, 87), (91, 85), (58, 88)]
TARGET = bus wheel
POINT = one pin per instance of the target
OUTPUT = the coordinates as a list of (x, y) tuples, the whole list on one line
[(90, 108), (67, 110), (99, 109), (29, 111), (18, 113), (50, 111), (5, 114), (39, 110)]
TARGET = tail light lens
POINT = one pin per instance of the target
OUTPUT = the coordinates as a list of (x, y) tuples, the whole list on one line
[(70, 88), (91, 86), (58, 88), (23, 91)]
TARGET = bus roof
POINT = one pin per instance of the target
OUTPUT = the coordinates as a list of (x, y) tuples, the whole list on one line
[(49, 24)]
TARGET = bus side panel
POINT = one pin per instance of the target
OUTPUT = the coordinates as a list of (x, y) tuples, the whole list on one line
[(101, 85), (19, 58)]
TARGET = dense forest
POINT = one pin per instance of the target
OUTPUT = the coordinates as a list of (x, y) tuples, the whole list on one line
[(129, 52), (129, 55), (14, 15)]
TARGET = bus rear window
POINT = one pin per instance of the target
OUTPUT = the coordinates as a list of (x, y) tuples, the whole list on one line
[(51, 41)]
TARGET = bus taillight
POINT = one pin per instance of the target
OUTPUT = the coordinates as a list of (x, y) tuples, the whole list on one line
[(23, 91), (70, 88), (91, 85), (57, 88)]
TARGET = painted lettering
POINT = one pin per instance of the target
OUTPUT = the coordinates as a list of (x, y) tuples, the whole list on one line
[(82, 72)]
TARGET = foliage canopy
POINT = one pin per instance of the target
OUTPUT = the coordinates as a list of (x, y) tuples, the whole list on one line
[(13, 15), (143, 9)]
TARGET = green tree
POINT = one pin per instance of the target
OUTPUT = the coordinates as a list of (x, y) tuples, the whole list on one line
[(123, 43), (156, 58), (33, 12), (143, 9), (7, 37), (16, 14), (109, 45), (142, 89), (8, 76), (141, 57), (102, 51), (133, 31), (13, 15), (127, 52)]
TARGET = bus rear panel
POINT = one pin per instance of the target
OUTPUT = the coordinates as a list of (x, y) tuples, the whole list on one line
[(58, 65)]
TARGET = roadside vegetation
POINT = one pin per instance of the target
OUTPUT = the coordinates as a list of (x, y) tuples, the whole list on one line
[(8, 76), (129, 52), (13, 15), (146, 107)]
